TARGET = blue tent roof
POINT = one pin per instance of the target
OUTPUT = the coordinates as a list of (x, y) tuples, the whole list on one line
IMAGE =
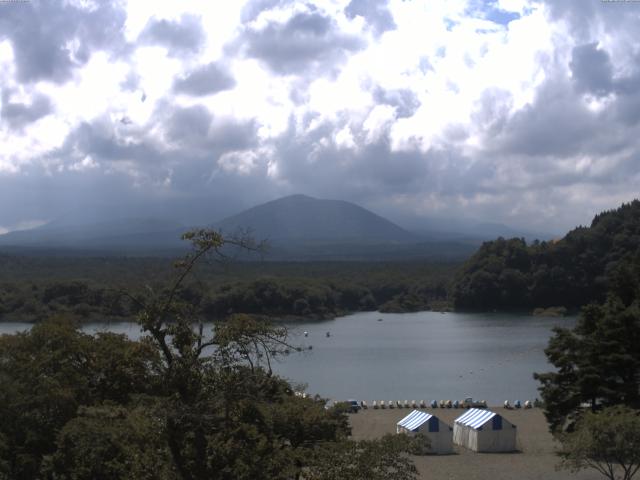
[(413, 421), (475, 418)]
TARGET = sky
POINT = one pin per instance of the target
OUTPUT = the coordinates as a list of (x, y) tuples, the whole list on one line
[(521, 112)]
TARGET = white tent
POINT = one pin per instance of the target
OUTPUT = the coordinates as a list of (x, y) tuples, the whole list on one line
[(439, 433), (484, 431)]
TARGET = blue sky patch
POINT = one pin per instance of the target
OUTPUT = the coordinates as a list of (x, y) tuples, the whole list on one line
[(489, 10)]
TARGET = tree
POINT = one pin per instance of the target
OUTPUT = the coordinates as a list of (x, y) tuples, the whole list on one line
[(598, 361), (384, 459), (48, 373), (108, 442), (181, 403), (607, 441)]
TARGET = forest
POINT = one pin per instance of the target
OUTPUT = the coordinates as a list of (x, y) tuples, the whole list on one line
[(96, 407), (504, 274), (570, 272), (35, 287)]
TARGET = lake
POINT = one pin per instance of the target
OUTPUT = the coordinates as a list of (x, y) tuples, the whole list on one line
[(410, 356)]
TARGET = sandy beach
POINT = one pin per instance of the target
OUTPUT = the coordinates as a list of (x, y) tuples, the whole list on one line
[(535, 459)]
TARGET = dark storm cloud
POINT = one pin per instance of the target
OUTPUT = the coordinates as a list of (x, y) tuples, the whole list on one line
[(405, 101), (627, 103), (193, 142), (308, 42), (178, 37), (195, 129), (189, 126), (627, 100), (206, 80), (93, 196), (556, 123), (51, 39), (17, 115), (375, 12), (308, 163), (592, 70), (99, 139)]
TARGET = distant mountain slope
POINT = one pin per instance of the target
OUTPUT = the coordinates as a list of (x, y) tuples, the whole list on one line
[(138, 233), (298, 228), (571, 272), (300, 218)]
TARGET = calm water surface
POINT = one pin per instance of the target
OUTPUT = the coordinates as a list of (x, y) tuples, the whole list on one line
[(412, 356)]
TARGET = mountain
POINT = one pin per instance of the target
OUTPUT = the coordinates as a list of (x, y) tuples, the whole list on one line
[(296, 227), (299, 218), (135, 235)]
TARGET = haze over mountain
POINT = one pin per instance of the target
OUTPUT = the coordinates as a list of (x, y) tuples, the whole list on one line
[(303, 218), (296, 227), (122, 234)]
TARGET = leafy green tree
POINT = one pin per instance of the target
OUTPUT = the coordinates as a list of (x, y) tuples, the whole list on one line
[(49, 372), (598, 361), (181, 403), (384, 459), (111, 441), (571, 272), (607, 441)]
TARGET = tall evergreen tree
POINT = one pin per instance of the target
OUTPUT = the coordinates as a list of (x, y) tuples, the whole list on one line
[(598, 361)]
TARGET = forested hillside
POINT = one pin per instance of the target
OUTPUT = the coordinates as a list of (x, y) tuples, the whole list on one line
[(34, 288), (571, 272)]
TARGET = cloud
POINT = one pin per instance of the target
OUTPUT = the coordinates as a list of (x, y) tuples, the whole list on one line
[(405, 101), (413, 108), (375, 12), (205, 80), (306, 43), (178, 37), (592, 70), (18, 114), (50, 40)]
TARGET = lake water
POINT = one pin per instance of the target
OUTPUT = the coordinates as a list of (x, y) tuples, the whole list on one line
[(412, 356)]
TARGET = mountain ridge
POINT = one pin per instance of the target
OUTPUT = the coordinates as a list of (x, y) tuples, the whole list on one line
[(301, 217)]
